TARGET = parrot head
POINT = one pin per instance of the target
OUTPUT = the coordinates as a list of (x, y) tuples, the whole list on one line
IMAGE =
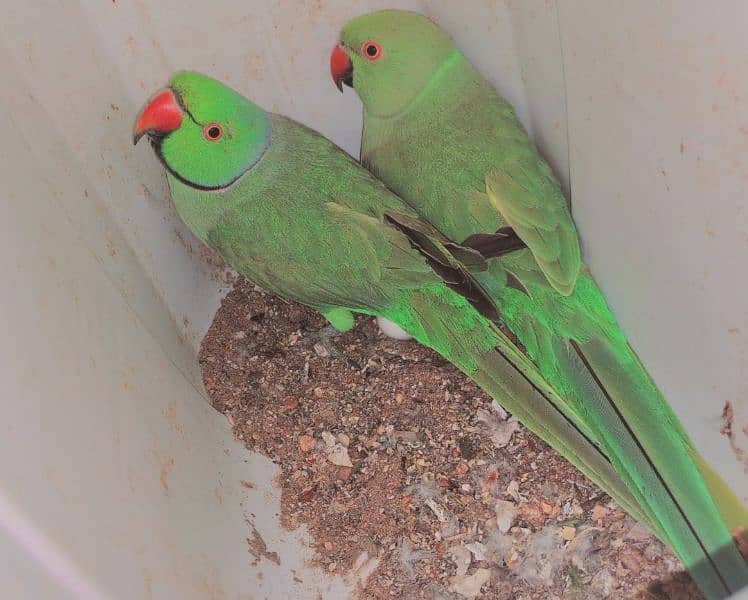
[(205, 134), (388, 57)]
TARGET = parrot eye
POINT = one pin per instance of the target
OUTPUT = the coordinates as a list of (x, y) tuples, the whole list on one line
[(371, 50), (212, 132)]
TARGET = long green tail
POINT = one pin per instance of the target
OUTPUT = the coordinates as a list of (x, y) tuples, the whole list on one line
[(605, 384), (659, 451), (443, 320), (653, 472)]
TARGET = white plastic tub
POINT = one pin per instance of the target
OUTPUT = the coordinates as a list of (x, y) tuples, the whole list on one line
[(117, 480)]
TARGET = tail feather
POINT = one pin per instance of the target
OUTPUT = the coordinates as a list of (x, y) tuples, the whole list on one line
[(647, 441), (561, 368), (605, 384), (732, 510), (591, 407), (538, 342), (540, 412), (631, 445), (444, 321)]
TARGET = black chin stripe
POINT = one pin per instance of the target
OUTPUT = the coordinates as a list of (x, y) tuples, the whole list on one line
[(156, 142)]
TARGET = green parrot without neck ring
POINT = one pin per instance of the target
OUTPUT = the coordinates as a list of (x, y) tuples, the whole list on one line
[(296, 215), (438, 135)]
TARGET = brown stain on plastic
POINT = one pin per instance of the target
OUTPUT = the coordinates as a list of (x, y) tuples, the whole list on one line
[(258, 548), (131, 45), (170, 413), (166, 468), (728, 430), (217, 493)]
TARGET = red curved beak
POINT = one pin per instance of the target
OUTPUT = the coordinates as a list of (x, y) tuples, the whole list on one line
[(160, 115), (341, 68)]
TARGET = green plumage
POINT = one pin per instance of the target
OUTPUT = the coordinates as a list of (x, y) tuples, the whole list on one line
[(441, 138), (299, 217)]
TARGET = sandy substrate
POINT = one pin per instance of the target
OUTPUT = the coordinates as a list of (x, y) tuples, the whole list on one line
[(409, 479)]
